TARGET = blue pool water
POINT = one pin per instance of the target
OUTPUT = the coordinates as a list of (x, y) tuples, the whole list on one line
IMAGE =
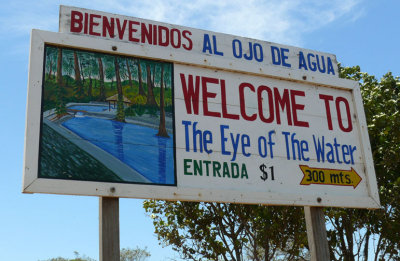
[(137, 146), (96, 108)]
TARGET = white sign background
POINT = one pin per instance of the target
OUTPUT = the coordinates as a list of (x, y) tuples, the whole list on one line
[(287, 173), (284, 190)]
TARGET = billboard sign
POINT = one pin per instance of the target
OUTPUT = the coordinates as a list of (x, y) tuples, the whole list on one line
[(112, 118)]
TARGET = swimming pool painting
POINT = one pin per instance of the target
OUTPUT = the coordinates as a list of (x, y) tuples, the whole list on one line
[(89, 108), (106, 118), (131, 144)]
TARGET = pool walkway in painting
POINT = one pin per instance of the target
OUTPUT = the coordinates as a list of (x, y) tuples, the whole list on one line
[(138, 156), (102, 110)]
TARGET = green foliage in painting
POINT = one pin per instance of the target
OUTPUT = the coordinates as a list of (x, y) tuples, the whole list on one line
[(94, 77), (60, 104), (120, 110), (139, 100), (79, 84)]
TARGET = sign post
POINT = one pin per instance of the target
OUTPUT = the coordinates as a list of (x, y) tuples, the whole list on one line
[(316, 233), (218, 118), (109, 247)]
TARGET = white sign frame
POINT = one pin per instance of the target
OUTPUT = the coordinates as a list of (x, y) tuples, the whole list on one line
[(33, 184)]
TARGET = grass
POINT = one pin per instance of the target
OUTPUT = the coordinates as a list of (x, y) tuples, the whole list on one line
[(61, 159)]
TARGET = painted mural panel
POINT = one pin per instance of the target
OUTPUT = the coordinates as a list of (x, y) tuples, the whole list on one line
[(106, 118)]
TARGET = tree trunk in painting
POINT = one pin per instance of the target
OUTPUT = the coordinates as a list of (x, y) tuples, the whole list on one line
[(120, 102), (141, 90), (101, 75), (51, 69), (90, 87), (60, 106), (83, 77), (162, 131), (79, 88), (150, 95), (154, 74), (59, 67), (129, 73), (76, 68)]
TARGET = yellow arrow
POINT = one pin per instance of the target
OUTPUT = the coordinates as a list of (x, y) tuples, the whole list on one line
[(336, 177)]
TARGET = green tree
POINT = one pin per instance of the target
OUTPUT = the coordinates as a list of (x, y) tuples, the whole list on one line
[(120, 103), (135, 254), (167, 76), (91, 70), (109, 69), (79, 91), (68, 65), (59, 67), (101, 78), (126, 254), (162, 131), (61, 110), (140, 79), (151, 101), (216, 231), (51, 58), (355, 232), (78, 257), (128, 67)]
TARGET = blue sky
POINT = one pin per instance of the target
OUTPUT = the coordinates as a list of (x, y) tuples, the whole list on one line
[(34, 227)]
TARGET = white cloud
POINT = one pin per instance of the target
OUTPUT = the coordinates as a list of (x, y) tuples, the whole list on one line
[(282, 21)]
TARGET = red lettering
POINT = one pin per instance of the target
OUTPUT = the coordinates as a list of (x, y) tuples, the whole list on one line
[(185, 35), (121, 29), (282, 102), (163, 41), (147, 33), (296, 107), (133, 30), (92, 24), (270, 103), (85, 29), (242, 102), (327, 98), (76, 22), (154, 34), (111, 27), (225, 113), (190, 94), (206, 95), (173, 37), (108, 27), (339, 114)]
